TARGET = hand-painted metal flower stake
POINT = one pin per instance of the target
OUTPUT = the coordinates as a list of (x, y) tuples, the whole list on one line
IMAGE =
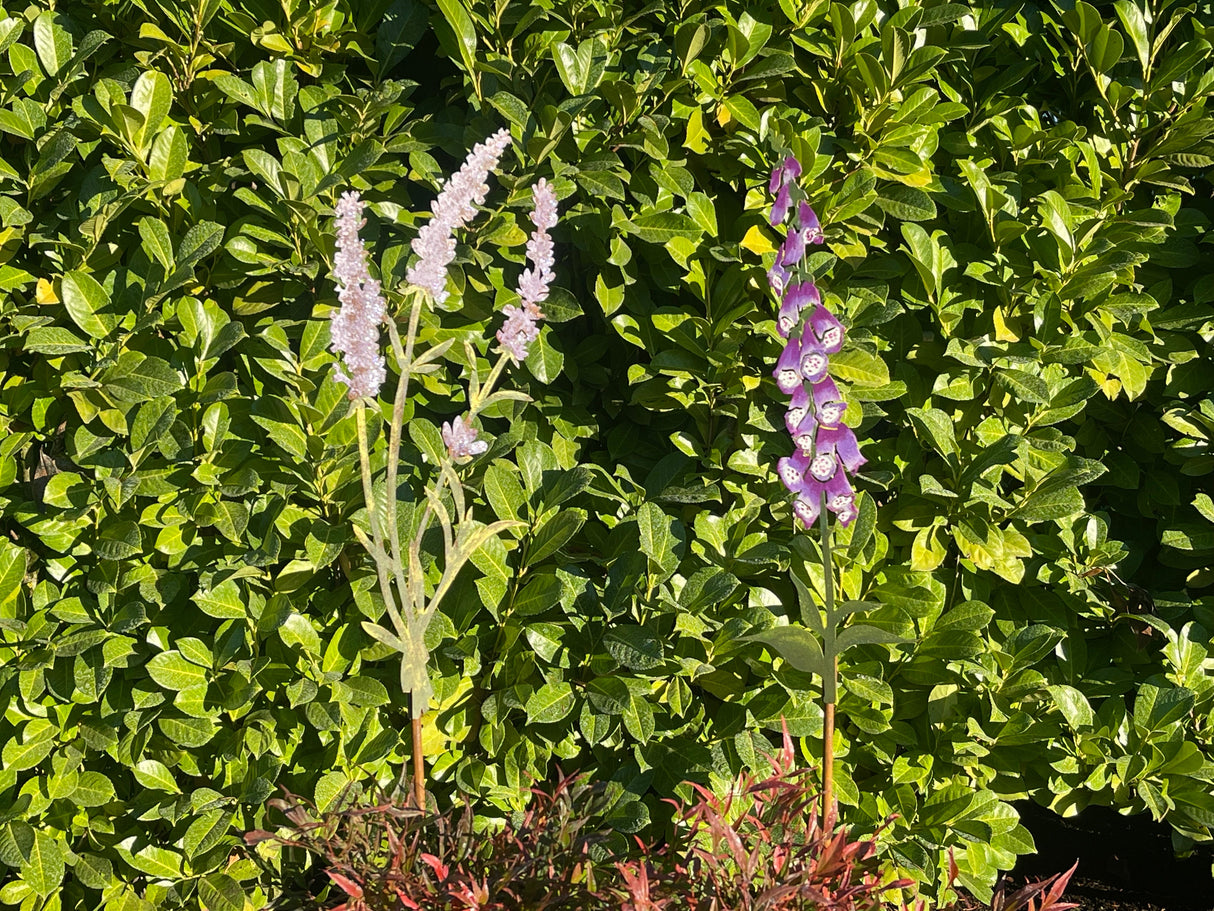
[(355, 336)]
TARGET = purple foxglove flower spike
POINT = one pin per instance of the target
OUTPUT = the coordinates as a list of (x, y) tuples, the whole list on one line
[(828, 404), (454, 208), (460, 439), (788, 371), (798, 408), (782, 177), (354, 331)]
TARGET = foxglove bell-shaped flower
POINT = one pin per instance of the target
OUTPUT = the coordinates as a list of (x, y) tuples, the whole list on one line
[(354, 331), (798, 408), (781, 183), (799, 297), (828, 404), (840, 442), (807, 218), (788, 368), (828, 329), (813, 362)]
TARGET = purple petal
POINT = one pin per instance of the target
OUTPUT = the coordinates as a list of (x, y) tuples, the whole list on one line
[(812, 360), (841, 442), (793, 248), (777, 277), (808, 221), (779, 211), (828, 329), (798, 408), (807, 509), (791, 470), (806, 433), (790, 315), (828, 404), (787, 372)]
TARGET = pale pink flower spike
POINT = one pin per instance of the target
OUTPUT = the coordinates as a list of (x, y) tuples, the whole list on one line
[(520, 328), (454, 208), (354, 330)]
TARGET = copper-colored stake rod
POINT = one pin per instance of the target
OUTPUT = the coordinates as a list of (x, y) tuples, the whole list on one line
[(828, 767), (419, 767)]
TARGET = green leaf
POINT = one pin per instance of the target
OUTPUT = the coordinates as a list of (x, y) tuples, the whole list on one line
[(796, 645), (52, 42), (550, 703), (207, 831), (935, 427), (225, 601), (92, 790), (1073, 705), (220, 892), (35, 745), (169, 155), (609, 695), (172, 671), (663, 227), (275, 88), (44, 868), (658, 541), (1025, 386), (859, 367), (151, 96), (12, 573), (463, 29), (554, 533), (634, 647), (863, 634), (906, 203), (151, 859), (84, 298), (541, 593)]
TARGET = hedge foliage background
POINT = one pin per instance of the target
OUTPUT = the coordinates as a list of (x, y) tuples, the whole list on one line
[(1017, 206)]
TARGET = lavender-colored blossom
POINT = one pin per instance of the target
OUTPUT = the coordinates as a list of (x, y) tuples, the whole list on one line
[(840, 442), (521, 327), (813, 362), (788, 370), (454, 208), (811, 228), (782, 181), (828, 329), (798, 297), (460, 439), (354, 330), (533, 283), (828, 404)]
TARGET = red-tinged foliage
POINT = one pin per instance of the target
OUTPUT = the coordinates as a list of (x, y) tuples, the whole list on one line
[(761, 848)]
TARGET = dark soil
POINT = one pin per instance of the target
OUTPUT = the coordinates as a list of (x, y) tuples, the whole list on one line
[(1125, 863)]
